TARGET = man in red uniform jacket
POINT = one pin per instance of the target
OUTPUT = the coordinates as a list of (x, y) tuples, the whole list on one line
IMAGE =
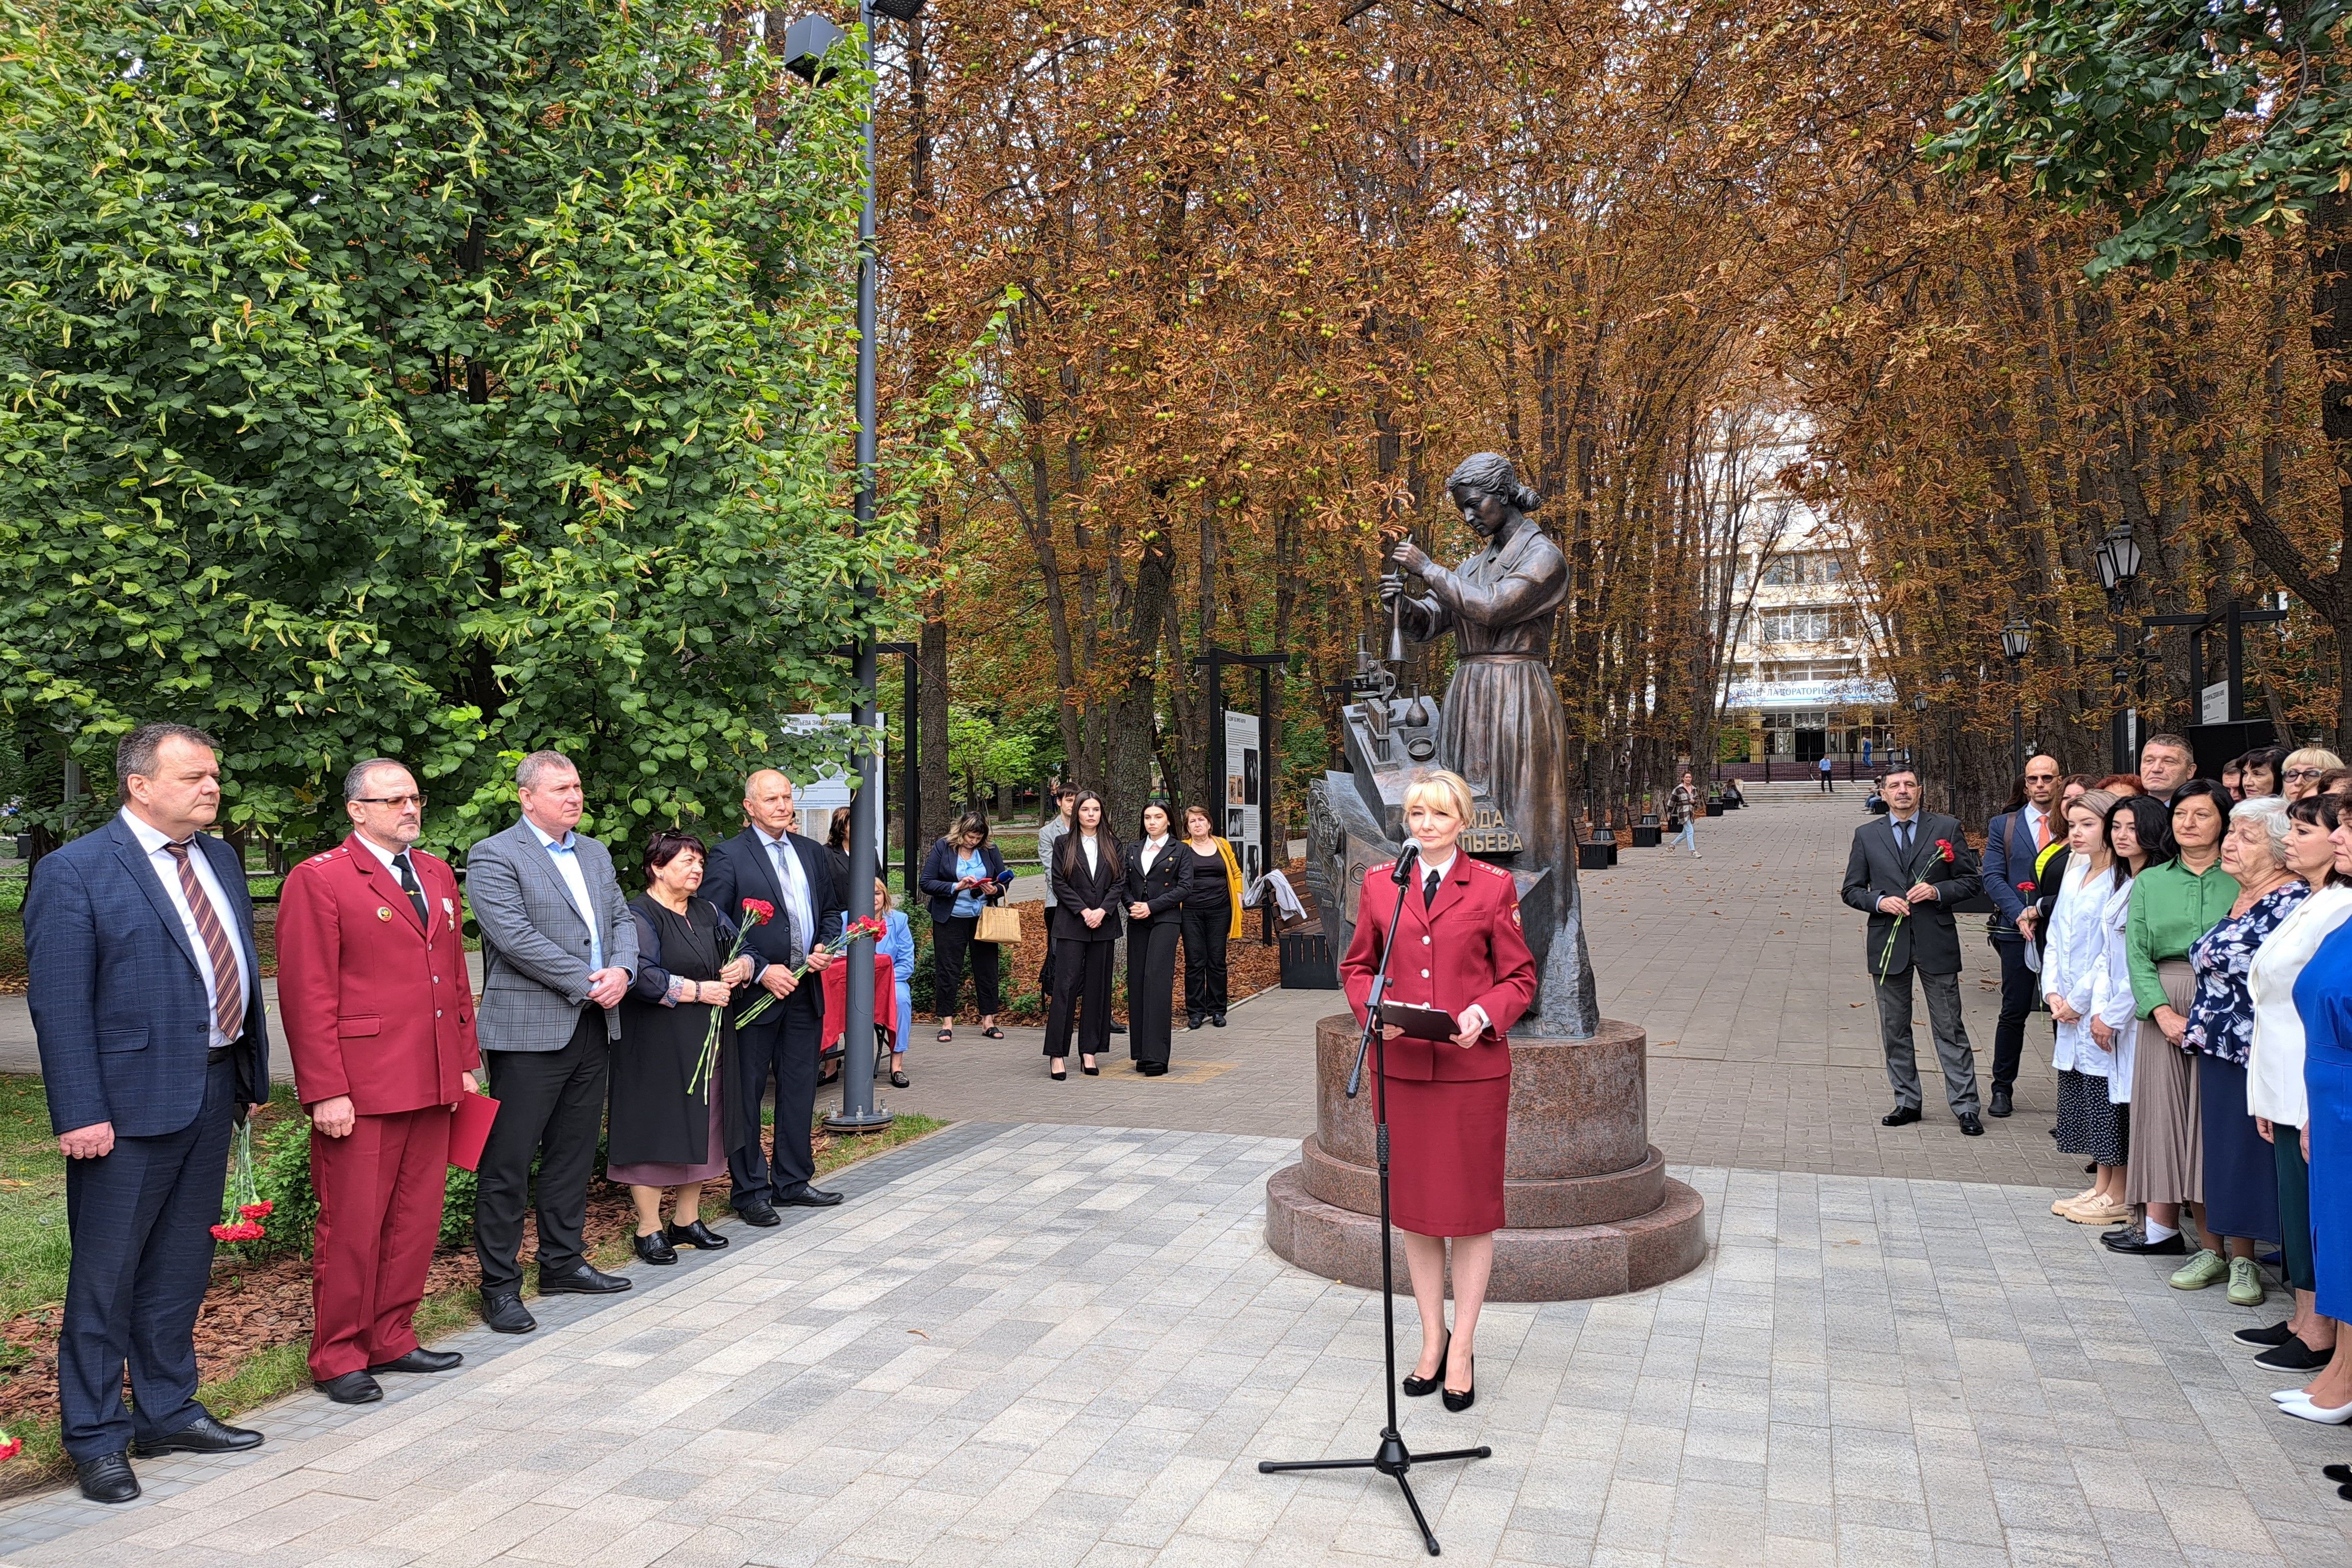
[(379, 1018)]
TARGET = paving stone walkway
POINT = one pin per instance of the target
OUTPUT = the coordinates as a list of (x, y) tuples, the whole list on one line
[(1053, 1335)]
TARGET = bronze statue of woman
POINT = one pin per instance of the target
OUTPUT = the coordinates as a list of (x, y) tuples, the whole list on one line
[(1502, 726)]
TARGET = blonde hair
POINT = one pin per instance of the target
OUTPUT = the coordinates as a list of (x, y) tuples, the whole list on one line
[(2318, 757), (1440, 788), (882, 903)]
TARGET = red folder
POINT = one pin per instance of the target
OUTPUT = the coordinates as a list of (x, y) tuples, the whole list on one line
[(470, 1129)]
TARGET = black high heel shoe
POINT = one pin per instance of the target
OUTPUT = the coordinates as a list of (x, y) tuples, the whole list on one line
[(1091, 1071), (1458, 1403), (1421, 1387), (1060, 1072), (654, 1249)]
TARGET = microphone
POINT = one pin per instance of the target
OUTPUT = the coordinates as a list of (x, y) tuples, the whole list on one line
[(1402, 872)]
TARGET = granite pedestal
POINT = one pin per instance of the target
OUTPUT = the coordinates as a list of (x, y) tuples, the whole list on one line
[(1588, 1210)]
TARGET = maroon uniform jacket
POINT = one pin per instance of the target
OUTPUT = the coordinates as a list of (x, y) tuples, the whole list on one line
[(375, 1006), (1461, 950)]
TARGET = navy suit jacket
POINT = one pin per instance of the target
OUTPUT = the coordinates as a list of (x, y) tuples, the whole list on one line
[(2009, 855), (740, 868), (120, 1008)]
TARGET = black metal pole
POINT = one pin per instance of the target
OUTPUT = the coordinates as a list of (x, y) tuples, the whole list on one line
[(1265, 795), (910, 852)]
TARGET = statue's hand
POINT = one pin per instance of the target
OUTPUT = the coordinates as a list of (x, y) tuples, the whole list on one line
[(1391, 586), (1409, 557)]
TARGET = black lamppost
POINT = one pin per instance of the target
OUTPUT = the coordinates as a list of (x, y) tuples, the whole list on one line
[(2117, 554), (2016, 642), (1919, 728), (806, 44)]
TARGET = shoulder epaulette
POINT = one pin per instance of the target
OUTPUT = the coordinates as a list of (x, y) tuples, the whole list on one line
[(1384, 865), (1491, 869)]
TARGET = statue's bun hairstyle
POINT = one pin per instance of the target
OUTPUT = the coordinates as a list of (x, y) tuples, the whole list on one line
[(1492, 473)]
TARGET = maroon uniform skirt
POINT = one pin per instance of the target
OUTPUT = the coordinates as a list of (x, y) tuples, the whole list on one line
[(1445, 1155)]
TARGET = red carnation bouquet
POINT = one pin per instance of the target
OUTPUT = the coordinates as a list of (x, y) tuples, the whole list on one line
[(756, 912), (245, 1208), (871, 928), (1940, 853)]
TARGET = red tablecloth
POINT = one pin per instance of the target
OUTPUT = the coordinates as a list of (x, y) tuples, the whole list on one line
[(837, 997)]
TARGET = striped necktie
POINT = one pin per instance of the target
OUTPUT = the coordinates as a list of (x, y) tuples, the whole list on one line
[(228, 987)]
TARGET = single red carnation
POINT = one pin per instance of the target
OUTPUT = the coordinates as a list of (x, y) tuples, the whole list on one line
[(10, 1447), (758, 911), (257, 1210)]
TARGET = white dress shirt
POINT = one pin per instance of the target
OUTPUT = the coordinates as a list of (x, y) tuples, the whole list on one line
[(1086, 842), (2274, 1082), (166, 867), (792, 877), (565, 854), (1152, 849)]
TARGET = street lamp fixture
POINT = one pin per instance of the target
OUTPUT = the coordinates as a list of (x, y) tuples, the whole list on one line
[(2016, 639), (2118, 558)]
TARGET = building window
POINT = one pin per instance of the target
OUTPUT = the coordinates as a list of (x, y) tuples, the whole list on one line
[(1812, 623), (1803, 569), (1774, 671)]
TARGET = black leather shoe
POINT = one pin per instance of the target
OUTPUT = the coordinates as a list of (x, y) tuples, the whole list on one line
[(422, 1360), (1901, 1116), (107, 1479), (810, 1197), (2336, 1472), (653, 1247), (1969, 1127), (1218, 1020), (2277, 1333), (1119, 1029), (1152, 1069), (1458, 1403), (1195, 1022), (2002, 1104), (202, 1436), (2295, 1356), (581, 1280), (1417, 1387), (2131, 1245), (760, 1214), (504, 1313), (353, 1388), (696, 1233)]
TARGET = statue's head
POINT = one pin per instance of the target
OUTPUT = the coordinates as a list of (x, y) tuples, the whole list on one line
[(1487, 489)]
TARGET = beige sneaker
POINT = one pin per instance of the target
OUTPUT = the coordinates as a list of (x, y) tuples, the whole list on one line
[(2064, 1204), (2096, 1213)]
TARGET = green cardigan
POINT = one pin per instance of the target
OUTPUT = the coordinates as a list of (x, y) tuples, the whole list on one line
[(2172, 907)]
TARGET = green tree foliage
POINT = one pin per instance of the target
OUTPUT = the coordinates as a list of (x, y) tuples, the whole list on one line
[(439, 378), (2192, 121)]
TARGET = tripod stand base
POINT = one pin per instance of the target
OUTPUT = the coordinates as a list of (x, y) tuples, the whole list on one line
[(1393, 1461)]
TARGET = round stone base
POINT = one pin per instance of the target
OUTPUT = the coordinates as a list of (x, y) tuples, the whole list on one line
[(1560, 1263)]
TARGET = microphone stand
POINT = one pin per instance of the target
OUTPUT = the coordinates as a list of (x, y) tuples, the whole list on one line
[(1393, 1458)]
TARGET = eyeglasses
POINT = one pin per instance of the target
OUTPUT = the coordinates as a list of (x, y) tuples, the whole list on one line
[(403, 801), (2293, 774)]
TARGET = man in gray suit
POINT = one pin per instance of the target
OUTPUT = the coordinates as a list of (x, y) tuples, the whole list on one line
[(559, 947), (1908, 869)]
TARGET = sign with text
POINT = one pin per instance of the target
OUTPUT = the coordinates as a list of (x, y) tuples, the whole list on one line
[(1245, 793)]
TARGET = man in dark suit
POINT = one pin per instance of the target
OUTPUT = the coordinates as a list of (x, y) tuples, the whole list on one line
[(2013, 845), (1908, 869), (769, 862), (147, 1007)]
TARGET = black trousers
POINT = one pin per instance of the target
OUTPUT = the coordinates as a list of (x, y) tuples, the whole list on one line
[(1205, 960), (1081, 981), (1151, 985), (1046, 969), (783, 1046), (951, 940), (141, 1218), (550, 1107), (2017, 985)]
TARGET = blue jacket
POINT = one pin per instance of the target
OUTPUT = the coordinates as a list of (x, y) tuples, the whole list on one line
[(2009, 855), (938, 877), (120, 1008), (898, 944)]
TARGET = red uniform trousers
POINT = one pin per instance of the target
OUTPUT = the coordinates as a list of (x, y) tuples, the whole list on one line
[(379, 1193)]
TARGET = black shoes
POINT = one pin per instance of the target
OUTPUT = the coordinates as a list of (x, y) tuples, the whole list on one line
[(1458, 1403), (581, 1280), (760, 1214), (2002, 1104), (1119, 1029), (202, 1436), (352, 1388), (1152, 1069), (810, 1197), (2139, 1246), (107, 1479), (1901, 1116), (1421, 1387), (1091, 1071), (2277, 1333), (1969, 1127), (1218, 1019), (653, 1247), (1194, 1022), (900, 1080), (2336, 1472), (504, 1313), (1060, 1072), (695, 1234), (422, 1360), (2295, 1356)]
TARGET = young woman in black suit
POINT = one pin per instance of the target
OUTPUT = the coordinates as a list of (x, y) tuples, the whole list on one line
[(1086, 875), (1158, 875)]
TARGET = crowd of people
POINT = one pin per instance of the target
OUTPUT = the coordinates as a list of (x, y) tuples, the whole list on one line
[(2190, 940)]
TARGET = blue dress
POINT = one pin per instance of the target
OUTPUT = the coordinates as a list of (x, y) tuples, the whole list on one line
[(2323, 994)]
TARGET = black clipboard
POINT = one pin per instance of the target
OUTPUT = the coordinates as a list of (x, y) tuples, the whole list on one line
[(1420, 1022)]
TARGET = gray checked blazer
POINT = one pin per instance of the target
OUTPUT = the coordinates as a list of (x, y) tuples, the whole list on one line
[(535, 949)]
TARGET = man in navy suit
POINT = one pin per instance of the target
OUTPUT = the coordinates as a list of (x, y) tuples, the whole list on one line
[(2013, 845), (147, 1007), (767, 861)]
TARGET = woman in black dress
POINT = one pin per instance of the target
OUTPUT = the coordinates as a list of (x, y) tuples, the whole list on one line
[(1159, 876), (1212, 916), (664, 1134), (1086, 875)]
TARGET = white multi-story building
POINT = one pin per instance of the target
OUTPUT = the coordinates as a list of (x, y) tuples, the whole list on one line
[(1800, 682)]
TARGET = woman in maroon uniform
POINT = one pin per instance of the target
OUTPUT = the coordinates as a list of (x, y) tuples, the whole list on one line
[(1459, 947)]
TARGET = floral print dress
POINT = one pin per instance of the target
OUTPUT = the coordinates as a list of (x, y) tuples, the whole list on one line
[(2221, 1020)]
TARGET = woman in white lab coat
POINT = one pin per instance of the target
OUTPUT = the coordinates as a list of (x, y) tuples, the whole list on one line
[(2072, 962)]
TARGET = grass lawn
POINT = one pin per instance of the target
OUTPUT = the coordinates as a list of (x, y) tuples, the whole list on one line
[(34, 1252)]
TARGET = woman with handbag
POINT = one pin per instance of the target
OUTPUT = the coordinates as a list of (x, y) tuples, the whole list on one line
[(962, 876), (1158, 877), (1213, 917)]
